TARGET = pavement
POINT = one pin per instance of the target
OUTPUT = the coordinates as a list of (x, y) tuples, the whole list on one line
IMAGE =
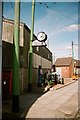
[(61, 103), (25, 100), (30, 106)]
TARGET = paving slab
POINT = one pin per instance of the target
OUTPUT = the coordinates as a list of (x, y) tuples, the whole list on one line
[(69, 109), (61, 103)]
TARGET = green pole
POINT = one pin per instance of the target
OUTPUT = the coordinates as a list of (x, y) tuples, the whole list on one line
[(1, 13), (15, 80), (30, 50), (72, 59)]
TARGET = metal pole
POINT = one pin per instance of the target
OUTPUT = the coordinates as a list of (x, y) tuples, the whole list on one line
[(72, 59), (54, 57), (15, 80), (30, 50), (1, 13)]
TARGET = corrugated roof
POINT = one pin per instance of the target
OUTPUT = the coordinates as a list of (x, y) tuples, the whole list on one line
[(63, 61)]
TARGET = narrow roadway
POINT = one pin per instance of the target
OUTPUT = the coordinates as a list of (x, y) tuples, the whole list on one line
[(56, 103)]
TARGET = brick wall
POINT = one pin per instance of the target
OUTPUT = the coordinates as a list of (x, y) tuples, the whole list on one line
[(70, 70), (65, 72)]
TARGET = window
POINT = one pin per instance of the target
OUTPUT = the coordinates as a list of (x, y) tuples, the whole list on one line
[(48, 56), (37, 48)]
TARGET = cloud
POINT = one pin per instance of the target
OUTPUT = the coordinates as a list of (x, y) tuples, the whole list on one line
[(71, 28)]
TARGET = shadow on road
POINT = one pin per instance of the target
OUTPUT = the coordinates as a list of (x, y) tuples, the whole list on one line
[(26, 101)]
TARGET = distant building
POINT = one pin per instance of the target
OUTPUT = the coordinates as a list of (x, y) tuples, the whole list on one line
[(64, 66), (41, 55), (77, 67)]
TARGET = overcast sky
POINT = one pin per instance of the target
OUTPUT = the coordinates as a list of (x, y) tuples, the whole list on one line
[(58, 20)]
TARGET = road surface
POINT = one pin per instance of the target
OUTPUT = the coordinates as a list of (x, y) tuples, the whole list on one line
[(61, 103)]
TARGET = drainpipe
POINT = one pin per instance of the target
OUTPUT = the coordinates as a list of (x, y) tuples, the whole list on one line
[(30, 50)]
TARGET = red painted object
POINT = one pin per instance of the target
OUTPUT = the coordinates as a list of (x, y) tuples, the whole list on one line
[(6, 83)]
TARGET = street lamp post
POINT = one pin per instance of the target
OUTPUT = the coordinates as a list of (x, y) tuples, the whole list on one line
[(30, 50), (72, 59), (15, 72)]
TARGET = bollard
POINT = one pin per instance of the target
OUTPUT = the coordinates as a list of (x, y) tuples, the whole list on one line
[(62, 80)]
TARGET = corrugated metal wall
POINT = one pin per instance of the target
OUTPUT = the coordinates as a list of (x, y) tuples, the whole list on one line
[(42, 57)]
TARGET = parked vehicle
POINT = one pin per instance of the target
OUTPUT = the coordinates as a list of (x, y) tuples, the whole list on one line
[(56, 77), (75, 77)]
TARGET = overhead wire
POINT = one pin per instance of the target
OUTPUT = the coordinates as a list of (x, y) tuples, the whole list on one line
[(13, 9), (57, 11), (48, 7), (63, 49), (77, 44)]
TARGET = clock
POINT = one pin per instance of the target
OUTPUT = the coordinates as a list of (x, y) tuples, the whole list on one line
[(41, 36)]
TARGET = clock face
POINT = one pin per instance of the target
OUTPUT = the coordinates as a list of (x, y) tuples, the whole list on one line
[(41, 36)]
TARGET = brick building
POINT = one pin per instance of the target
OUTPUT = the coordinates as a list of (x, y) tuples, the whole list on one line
[(64, 66), (41, 56)]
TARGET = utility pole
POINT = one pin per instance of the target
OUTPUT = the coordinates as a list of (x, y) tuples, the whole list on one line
[(1, 21), (31, 50), (15, 72), (54, 57), (72, 58)]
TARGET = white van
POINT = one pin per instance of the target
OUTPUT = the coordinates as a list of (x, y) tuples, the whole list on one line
[(56, 77)]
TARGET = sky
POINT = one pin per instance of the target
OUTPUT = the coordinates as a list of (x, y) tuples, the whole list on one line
[(59, 20)]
